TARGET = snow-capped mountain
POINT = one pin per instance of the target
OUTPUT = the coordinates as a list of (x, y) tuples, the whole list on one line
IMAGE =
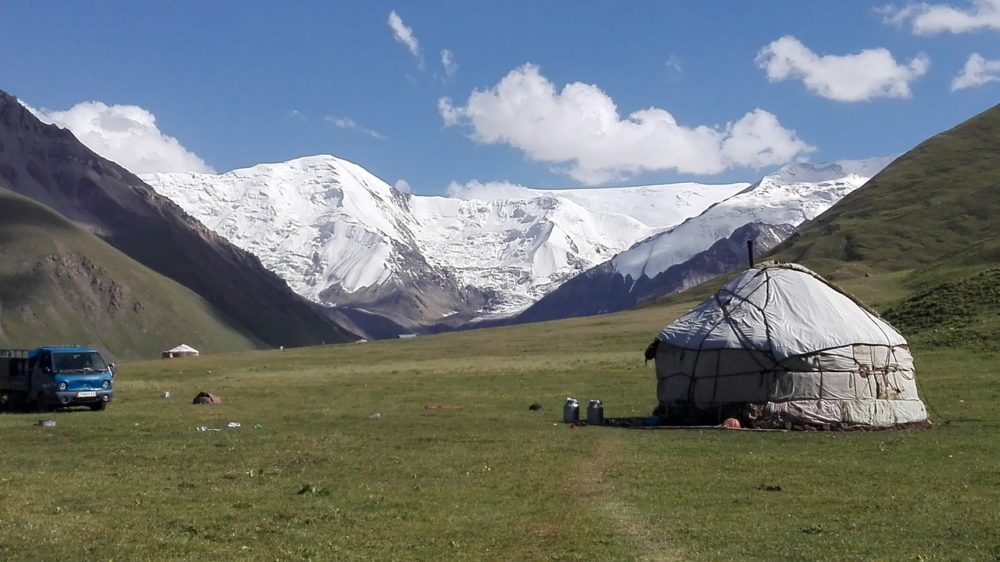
[(523, 247), (600, 290), (339, 235), (793, 194), (687, 254)]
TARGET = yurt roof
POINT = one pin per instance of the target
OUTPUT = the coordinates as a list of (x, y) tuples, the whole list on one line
[(183, 348), (784, 309)]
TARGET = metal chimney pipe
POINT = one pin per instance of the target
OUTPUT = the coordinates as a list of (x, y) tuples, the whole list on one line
[(750, 251)]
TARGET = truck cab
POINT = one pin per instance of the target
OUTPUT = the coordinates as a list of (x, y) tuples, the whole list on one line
[(56, 376)]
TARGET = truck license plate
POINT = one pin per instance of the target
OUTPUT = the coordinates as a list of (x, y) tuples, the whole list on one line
[(86, 394)]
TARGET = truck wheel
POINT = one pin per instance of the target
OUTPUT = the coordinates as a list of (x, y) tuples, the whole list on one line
[(99, 406)]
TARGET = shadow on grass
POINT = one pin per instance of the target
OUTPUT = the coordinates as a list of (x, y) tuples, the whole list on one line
[(640, 422)]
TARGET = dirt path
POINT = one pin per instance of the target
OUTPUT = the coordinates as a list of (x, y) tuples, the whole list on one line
[(648, 543), (588, 489)]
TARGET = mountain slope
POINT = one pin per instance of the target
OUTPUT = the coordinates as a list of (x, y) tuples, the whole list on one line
[(601, 290), (933, 202), (794, 194), (341, 236), (336, 233), (687, 254), (61, 284), (48, 164)]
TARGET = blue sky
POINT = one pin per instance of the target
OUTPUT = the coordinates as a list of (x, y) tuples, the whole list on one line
[(542, 94)]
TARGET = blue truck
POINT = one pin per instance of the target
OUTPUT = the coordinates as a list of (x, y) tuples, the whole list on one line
[(55, 376)]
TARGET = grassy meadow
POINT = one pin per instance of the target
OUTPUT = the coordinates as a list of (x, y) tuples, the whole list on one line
[(455, 466)]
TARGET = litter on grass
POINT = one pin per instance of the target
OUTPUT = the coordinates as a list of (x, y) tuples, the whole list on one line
[(313, 490), (206, 398), (230, 425)]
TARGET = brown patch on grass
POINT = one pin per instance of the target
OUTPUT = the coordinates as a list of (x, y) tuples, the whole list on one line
[(443, 407)]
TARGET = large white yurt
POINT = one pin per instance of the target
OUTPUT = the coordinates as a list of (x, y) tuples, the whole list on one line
[(780, 345)]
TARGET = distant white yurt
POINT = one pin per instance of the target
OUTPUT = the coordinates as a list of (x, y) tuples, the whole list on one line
[(181, 350), (780, 345)]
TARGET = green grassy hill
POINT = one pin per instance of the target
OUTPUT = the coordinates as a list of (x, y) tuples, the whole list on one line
[(960, 313), (938, 199), (61, 284)]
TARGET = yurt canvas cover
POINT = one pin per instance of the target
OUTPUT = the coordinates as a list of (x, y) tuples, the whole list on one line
[(780, 344)]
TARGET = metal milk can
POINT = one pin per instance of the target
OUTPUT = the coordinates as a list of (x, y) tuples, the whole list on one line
[(571, 410), (595, 413)]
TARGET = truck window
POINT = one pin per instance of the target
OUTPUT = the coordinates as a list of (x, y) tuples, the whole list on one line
[(79, 361)]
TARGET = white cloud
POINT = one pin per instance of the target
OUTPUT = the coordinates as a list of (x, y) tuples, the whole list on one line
[(871, 73), (489, 191), (348, 123), (758, 140), (449, 113), (977, 71), (580, 127), (404, 35), (127, 135), (673, 65), (297, 115), (402, 186), (448, 62), (931, 19)]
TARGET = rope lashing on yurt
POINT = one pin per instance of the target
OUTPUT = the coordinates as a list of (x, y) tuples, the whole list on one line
[(725, 308)]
